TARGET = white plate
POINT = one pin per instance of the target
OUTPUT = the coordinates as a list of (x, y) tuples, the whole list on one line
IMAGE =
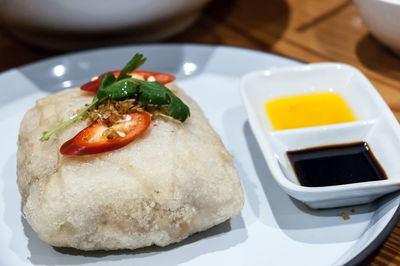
[(375, 125), (272, 229)]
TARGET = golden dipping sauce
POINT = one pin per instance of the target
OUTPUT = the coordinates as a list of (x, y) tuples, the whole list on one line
[(308, 110)]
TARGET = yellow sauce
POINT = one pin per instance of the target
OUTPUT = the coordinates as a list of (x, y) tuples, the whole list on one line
[(308, 110)]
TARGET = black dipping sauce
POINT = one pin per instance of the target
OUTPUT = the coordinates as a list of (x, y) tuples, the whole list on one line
[(336, 165)]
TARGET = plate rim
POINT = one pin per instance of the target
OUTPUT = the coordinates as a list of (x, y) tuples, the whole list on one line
[(358, 258)]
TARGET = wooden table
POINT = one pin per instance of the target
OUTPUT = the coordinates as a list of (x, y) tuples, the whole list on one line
[(308, 30)]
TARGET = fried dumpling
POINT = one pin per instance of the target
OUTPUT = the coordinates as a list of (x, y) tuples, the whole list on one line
[(172, 181)]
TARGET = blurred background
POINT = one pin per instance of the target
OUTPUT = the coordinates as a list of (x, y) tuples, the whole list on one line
[(363, 33)]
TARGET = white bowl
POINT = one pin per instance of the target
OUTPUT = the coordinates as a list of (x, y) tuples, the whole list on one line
[(376, 125), (70, 24), (382, 18)]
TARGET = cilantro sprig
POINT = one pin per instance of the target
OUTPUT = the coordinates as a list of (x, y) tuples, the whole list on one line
[(125, 87)]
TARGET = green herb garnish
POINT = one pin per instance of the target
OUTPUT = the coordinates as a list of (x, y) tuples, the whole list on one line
[(136, 61), (115, 89), (121, 88), (157, 94)]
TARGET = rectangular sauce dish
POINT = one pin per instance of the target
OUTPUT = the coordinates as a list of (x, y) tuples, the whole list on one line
[(374, 125)]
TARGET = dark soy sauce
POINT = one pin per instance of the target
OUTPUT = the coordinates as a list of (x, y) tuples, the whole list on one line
[(336, 165)]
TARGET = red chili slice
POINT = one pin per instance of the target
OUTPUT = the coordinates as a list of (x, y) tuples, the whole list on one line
[(141, 74), (96, 137)]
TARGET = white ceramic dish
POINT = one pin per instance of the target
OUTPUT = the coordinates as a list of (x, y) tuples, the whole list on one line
[(272, 229), (382, 20), (76, 24), (376, 125)]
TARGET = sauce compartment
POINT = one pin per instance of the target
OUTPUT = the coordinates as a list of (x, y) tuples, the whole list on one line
[(267, 85), (375, 125), (383, 142)]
